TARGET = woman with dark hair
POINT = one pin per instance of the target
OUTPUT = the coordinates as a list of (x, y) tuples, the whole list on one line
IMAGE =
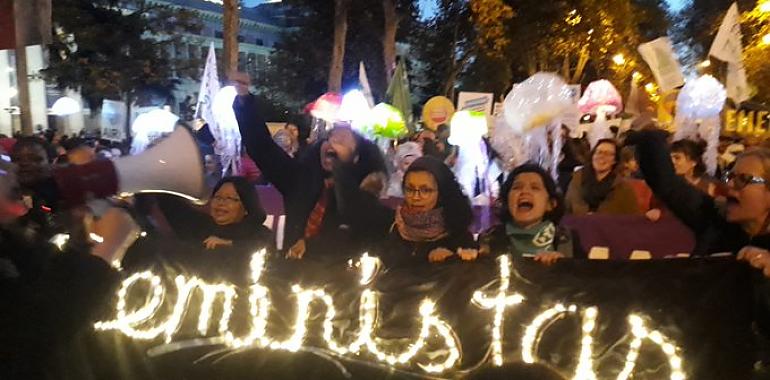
[(597, 188), (431, 226), (686, 155), (530, 210), (235, 217)]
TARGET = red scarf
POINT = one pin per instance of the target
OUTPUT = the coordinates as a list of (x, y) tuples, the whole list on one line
[(420, 225)]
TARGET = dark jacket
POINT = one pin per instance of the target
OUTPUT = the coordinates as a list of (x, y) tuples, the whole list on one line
[(497, 242), (374, 224), (713, 234), (620, 201), (47, 298), (190, 224), (301, 181)]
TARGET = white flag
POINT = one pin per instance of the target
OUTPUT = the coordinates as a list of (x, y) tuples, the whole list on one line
[(660, 56), (737, 85), (227, 137), (727, 44), (364, 81), (727, 47), (209, 88)]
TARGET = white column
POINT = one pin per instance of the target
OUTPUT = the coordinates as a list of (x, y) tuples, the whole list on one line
[(37, 98), (5, 90)]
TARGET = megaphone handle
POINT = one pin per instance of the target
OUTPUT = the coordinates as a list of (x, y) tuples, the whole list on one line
[(78, 183)]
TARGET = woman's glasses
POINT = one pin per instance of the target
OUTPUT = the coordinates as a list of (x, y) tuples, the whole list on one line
[(740, 180), (422, 192)]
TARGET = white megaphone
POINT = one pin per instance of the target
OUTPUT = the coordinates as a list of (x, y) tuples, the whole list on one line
[(173, 166)]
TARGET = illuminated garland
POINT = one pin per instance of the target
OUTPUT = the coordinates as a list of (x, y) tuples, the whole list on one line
[(138, 323)]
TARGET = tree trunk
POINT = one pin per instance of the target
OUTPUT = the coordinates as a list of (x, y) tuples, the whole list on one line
[(230, 38), (338, 50), (389, 37)]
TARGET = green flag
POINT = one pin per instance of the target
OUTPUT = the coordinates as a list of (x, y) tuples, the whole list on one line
[(398, 93)]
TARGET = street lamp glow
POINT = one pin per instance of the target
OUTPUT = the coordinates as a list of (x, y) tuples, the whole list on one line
[(619, 59), (764, 7), (636, 76), (766, 39)]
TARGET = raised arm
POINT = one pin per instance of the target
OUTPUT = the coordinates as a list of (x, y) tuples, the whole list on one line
[(695, 208), (276, 165)]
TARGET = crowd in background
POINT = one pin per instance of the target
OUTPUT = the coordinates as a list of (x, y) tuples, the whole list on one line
[(335, 187)]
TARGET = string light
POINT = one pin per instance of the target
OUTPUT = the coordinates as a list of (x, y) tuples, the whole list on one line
[(59, 240), (640, 333), (259, 307), (126, 323), (499, 303), (137, 323), (585, 367)]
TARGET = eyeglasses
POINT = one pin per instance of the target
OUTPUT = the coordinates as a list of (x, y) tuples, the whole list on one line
[(226, 200), (411, 192), (740, 181)]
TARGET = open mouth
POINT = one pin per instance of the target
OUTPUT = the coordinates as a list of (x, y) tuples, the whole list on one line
[(331, 154), (525, 206)]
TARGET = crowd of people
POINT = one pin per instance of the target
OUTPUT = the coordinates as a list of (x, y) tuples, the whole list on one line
[(333, 188)]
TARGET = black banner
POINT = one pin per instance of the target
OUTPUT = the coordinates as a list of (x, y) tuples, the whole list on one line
[(687, 318)]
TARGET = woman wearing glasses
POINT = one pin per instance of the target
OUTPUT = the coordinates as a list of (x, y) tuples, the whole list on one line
[(235, 217), (597, 188), (742, 222), (431, 226)]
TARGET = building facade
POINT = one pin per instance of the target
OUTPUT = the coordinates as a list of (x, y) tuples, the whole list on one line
[(261, 28)]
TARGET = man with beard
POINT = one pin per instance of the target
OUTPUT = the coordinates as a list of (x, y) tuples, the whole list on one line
[(313, 222)]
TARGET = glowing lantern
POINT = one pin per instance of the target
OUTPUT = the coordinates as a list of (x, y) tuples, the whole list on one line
[(698, 107), (65, 106), (536, 102), (354, 108), (387, 121), (467, 127), (603, 99), (326, 106), (149, 126)]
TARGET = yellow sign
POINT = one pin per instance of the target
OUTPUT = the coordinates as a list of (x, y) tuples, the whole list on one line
[(437, 110), (746, 123)]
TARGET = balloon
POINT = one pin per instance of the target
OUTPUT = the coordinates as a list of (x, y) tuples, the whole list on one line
[(387, 121), (600, 95), (536, 102), (436, 111)]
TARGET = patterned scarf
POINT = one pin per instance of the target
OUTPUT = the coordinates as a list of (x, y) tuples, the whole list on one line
[(420, 226), (538, 238)]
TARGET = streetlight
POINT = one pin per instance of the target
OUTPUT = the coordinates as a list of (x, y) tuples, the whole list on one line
[(619, 59), (766, 39), (764, 7)]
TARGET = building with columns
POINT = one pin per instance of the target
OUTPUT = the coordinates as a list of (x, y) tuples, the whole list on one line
[(260, 29)]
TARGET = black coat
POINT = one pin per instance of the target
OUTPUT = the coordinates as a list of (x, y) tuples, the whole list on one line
[(47, 298), (373, 223), (713, 233), (301, 182)]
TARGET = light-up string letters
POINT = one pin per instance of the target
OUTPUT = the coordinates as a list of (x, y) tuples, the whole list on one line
[(145, 321)]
